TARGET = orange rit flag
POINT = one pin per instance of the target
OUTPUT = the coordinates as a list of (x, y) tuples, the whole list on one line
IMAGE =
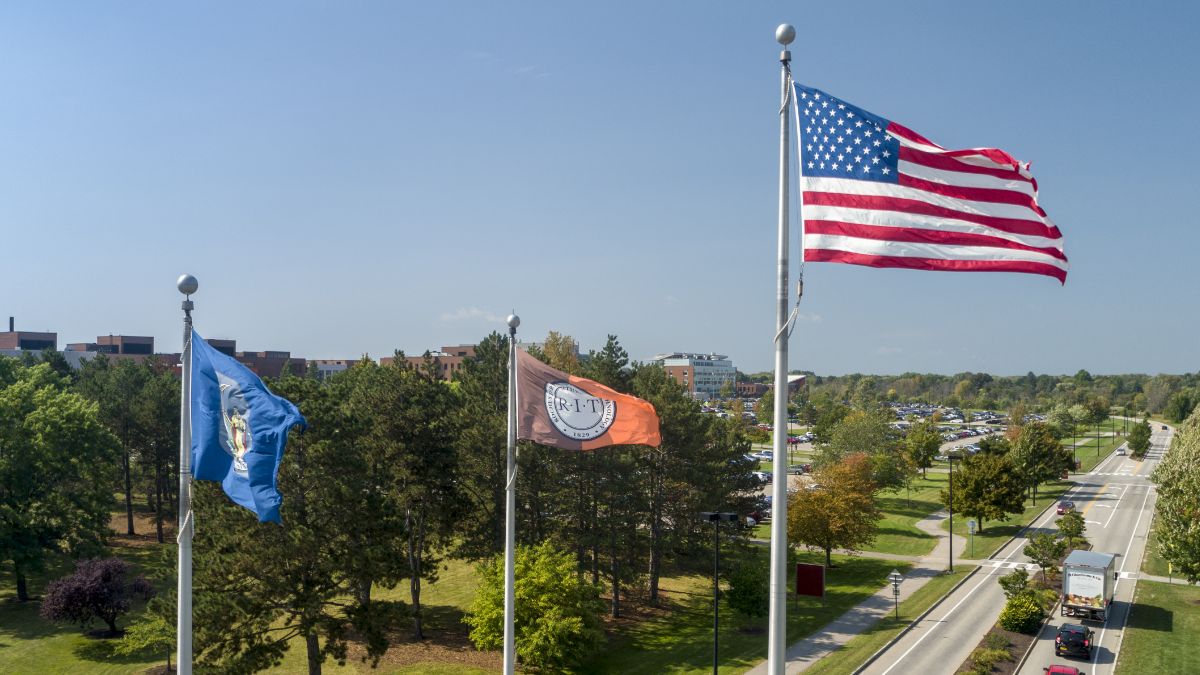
[(573, 413)]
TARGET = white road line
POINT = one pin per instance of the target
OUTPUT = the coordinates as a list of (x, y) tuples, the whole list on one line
[(1124, 619), (1114, 506)]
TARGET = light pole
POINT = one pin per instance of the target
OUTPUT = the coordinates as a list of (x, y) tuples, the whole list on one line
[(895, 577), (715, 517), (950, 459)]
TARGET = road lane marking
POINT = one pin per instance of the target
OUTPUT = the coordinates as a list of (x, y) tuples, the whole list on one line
[(1128, 607), (1124, 490)]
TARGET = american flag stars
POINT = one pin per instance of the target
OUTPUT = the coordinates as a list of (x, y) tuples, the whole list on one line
[(841, 140)]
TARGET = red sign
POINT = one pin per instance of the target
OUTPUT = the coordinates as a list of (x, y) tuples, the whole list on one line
[(810, 580)]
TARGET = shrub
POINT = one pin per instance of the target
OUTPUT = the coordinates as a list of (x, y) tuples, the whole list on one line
[(984, 658), (749, 591), (996, 641), (557, 611), (1014, 583), (97, 590), (1022, 614)]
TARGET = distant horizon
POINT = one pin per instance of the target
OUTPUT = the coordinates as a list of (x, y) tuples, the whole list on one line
[(582, 350)]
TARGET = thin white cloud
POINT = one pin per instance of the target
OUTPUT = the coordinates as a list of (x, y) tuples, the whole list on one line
[(888, 350), (471, 314), (811, 318), (530, 71)]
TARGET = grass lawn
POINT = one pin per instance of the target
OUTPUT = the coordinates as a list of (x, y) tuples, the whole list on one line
[(860, 648), (996, 533), (680, 641), (1162, 616), (30, 644), (897, 531), (1152, 562), (1085, 450)]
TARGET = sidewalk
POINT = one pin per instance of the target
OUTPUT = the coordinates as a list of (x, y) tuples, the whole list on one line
[(862, 616)]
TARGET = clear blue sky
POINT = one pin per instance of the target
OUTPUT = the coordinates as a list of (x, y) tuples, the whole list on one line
[(364, 176)]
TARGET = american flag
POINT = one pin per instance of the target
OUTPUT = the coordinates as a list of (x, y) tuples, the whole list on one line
[(876, 193)]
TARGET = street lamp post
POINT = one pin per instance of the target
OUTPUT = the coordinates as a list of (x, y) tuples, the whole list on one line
[(895, 577), (715, 517), (950, 459)]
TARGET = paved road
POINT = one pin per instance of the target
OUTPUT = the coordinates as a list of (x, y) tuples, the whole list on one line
[(1121, 507), (1113, 495)]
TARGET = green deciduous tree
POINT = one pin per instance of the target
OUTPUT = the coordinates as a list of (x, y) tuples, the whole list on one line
[(557, 611), (749, 591), (1071, 527), (869, 432), (1177, 511), (1045, 550), (115, 386), (841, 513), (153, 634), (1014, 583), (1139, 439), (57, 470), (1038, 456), (923, 443), (1181, 405), (986, 487)]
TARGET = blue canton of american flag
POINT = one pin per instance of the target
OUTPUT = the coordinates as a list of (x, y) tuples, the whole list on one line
[(841, 140), (876, 193)]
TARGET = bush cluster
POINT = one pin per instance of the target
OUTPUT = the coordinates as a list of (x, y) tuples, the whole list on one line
[(1022, 614)]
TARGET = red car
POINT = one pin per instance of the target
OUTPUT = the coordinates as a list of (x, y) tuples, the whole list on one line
[(1065, 506), (1063, 670)]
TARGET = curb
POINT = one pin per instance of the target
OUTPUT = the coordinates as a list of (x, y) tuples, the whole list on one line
[(871, 659), (1029, 649)]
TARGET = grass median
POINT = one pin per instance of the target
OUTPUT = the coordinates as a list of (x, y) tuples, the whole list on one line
[(849, 656)]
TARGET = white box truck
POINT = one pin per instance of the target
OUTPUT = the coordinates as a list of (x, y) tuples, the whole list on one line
[(1088, 584)]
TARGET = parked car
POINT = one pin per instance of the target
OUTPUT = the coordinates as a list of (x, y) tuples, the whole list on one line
[(1074, 640), (1066, 506)]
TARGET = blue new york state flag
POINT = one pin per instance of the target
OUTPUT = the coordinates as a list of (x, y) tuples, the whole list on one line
[(239, 429)]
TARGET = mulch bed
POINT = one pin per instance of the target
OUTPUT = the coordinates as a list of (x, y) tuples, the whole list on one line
[(1017, 644)]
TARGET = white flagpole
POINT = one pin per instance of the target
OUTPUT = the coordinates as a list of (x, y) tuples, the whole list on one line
[(777, 635), (187, 285), (510, 505)]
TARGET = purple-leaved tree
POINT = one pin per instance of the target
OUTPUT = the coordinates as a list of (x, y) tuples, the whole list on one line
[(98, 589)]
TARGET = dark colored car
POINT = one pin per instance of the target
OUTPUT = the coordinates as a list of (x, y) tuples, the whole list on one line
[(1074, 640), (1065, 506)]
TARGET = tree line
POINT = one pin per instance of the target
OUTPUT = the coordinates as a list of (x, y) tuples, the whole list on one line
[(1173, 396), (397, 471)]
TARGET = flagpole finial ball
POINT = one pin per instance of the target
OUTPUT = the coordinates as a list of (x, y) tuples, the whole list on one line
[(513, 321), (187, 284), (785, 34)]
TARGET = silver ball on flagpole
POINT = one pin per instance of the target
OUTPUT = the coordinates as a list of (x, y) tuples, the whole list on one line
[(513, 321), (187, 284), (785, 34)]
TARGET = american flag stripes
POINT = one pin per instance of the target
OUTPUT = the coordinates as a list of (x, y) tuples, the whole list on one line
[(878, 194)]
